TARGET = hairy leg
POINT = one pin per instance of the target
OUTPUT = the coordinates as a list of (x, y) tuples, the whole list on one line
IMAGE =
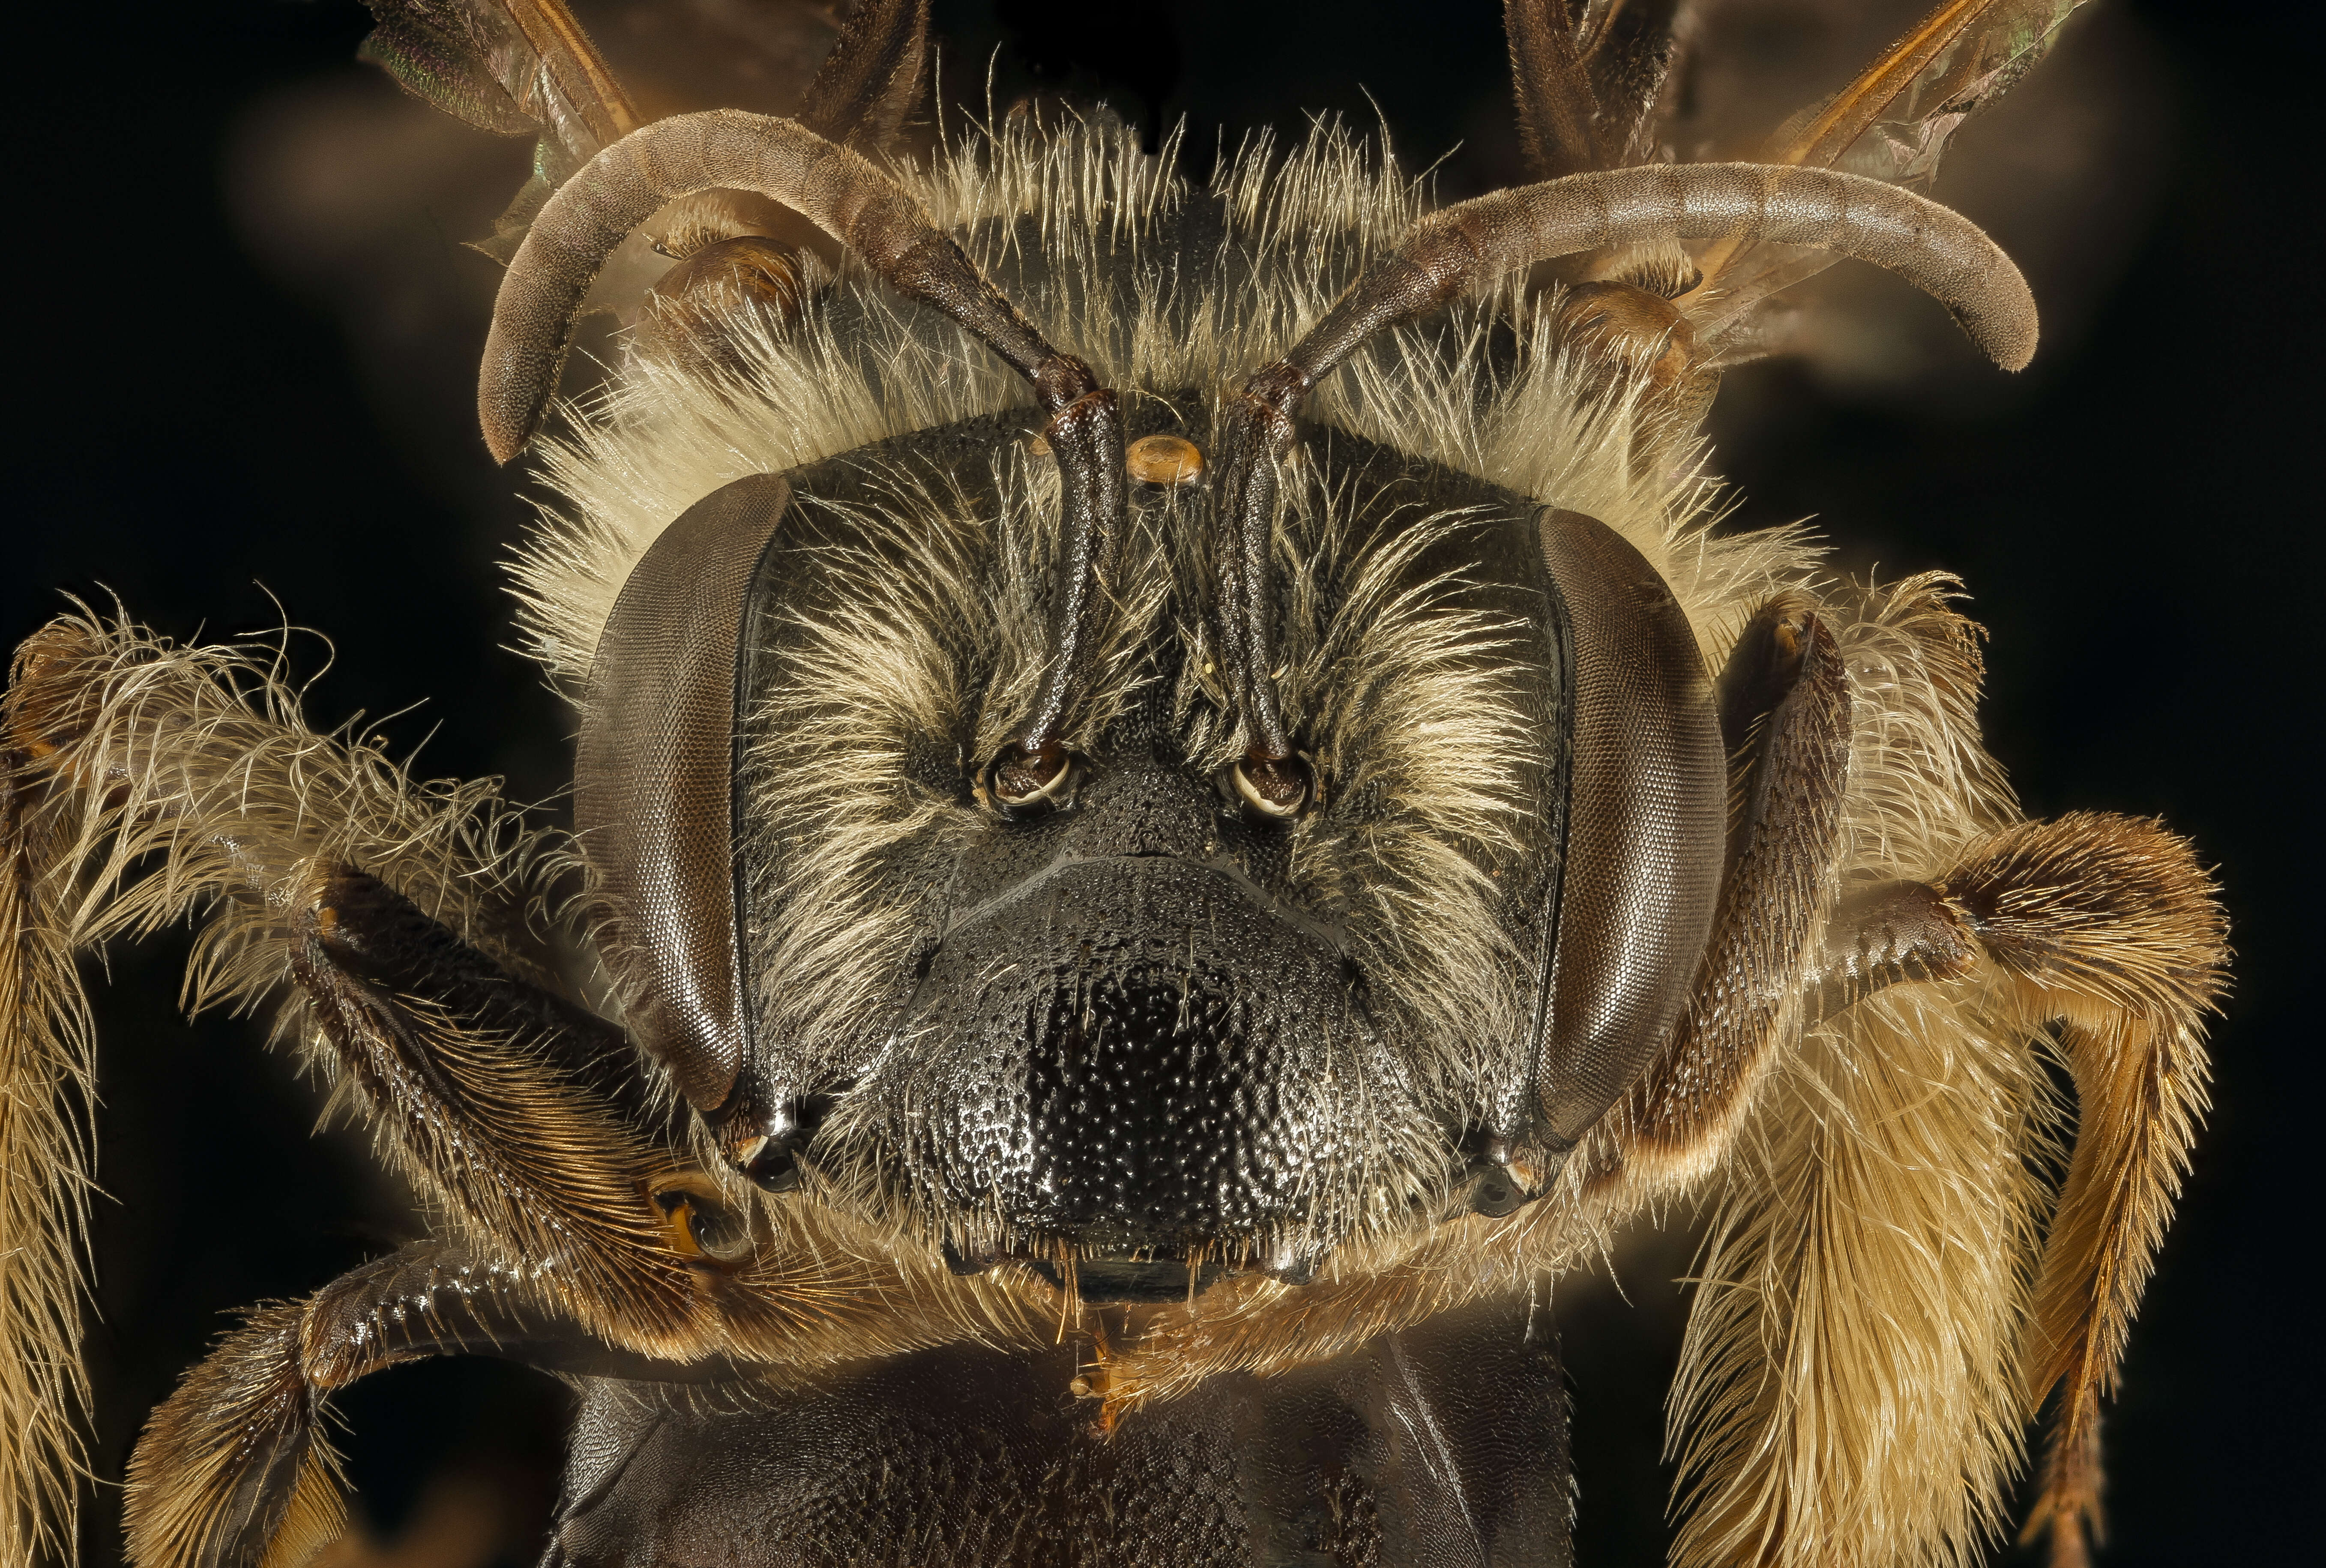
[(147, 782), (472, 1076), (872, 78), (175, 780), (1784, 713), (233, 1471), (141, 782), (1845, 1395), (2104, 931), (46, 1053), (1867, 1279)]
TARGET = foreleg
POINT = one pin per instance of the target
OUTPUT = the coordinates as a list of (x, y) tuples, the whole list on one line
[(465, 1071), (2103, 931), (469, 1073), (139, 782), (46, 1056), (145, 782), (1849, 1348), (2107, 929), (1785, 716), (233, 1469), (596, 1255)]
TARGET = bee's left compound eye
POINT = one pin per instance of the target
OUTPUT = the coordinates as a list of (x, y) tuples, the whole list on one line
[(1021, 781)]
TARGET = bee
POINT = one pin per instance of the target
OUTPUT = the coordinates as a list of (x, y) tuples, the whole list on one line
[(1180, 805)]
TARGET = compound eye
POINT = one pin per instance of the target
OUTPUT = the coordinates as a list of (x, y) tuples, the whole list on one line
[(1022, 783), (1273, 787)]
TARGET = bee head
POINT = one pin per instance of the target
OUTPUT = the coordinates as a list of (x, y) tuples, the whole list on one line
[(1151, 834), (1135, 1003)]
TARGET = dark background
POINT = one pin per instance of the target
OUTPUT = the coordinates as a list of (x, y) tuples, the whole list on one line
[(201, 416)]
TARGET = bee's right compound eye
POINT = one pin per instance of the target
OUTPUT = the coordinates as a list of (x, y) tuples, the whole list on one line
[(1022, 782)]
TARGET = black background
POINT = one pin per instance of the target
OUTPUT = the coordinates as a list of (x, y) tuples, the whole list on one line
[(2135, 517)]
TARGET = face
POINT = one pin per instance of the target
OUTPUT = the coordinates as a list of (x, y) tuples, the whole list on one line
[(1140, 1020), (1140, 1025)]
